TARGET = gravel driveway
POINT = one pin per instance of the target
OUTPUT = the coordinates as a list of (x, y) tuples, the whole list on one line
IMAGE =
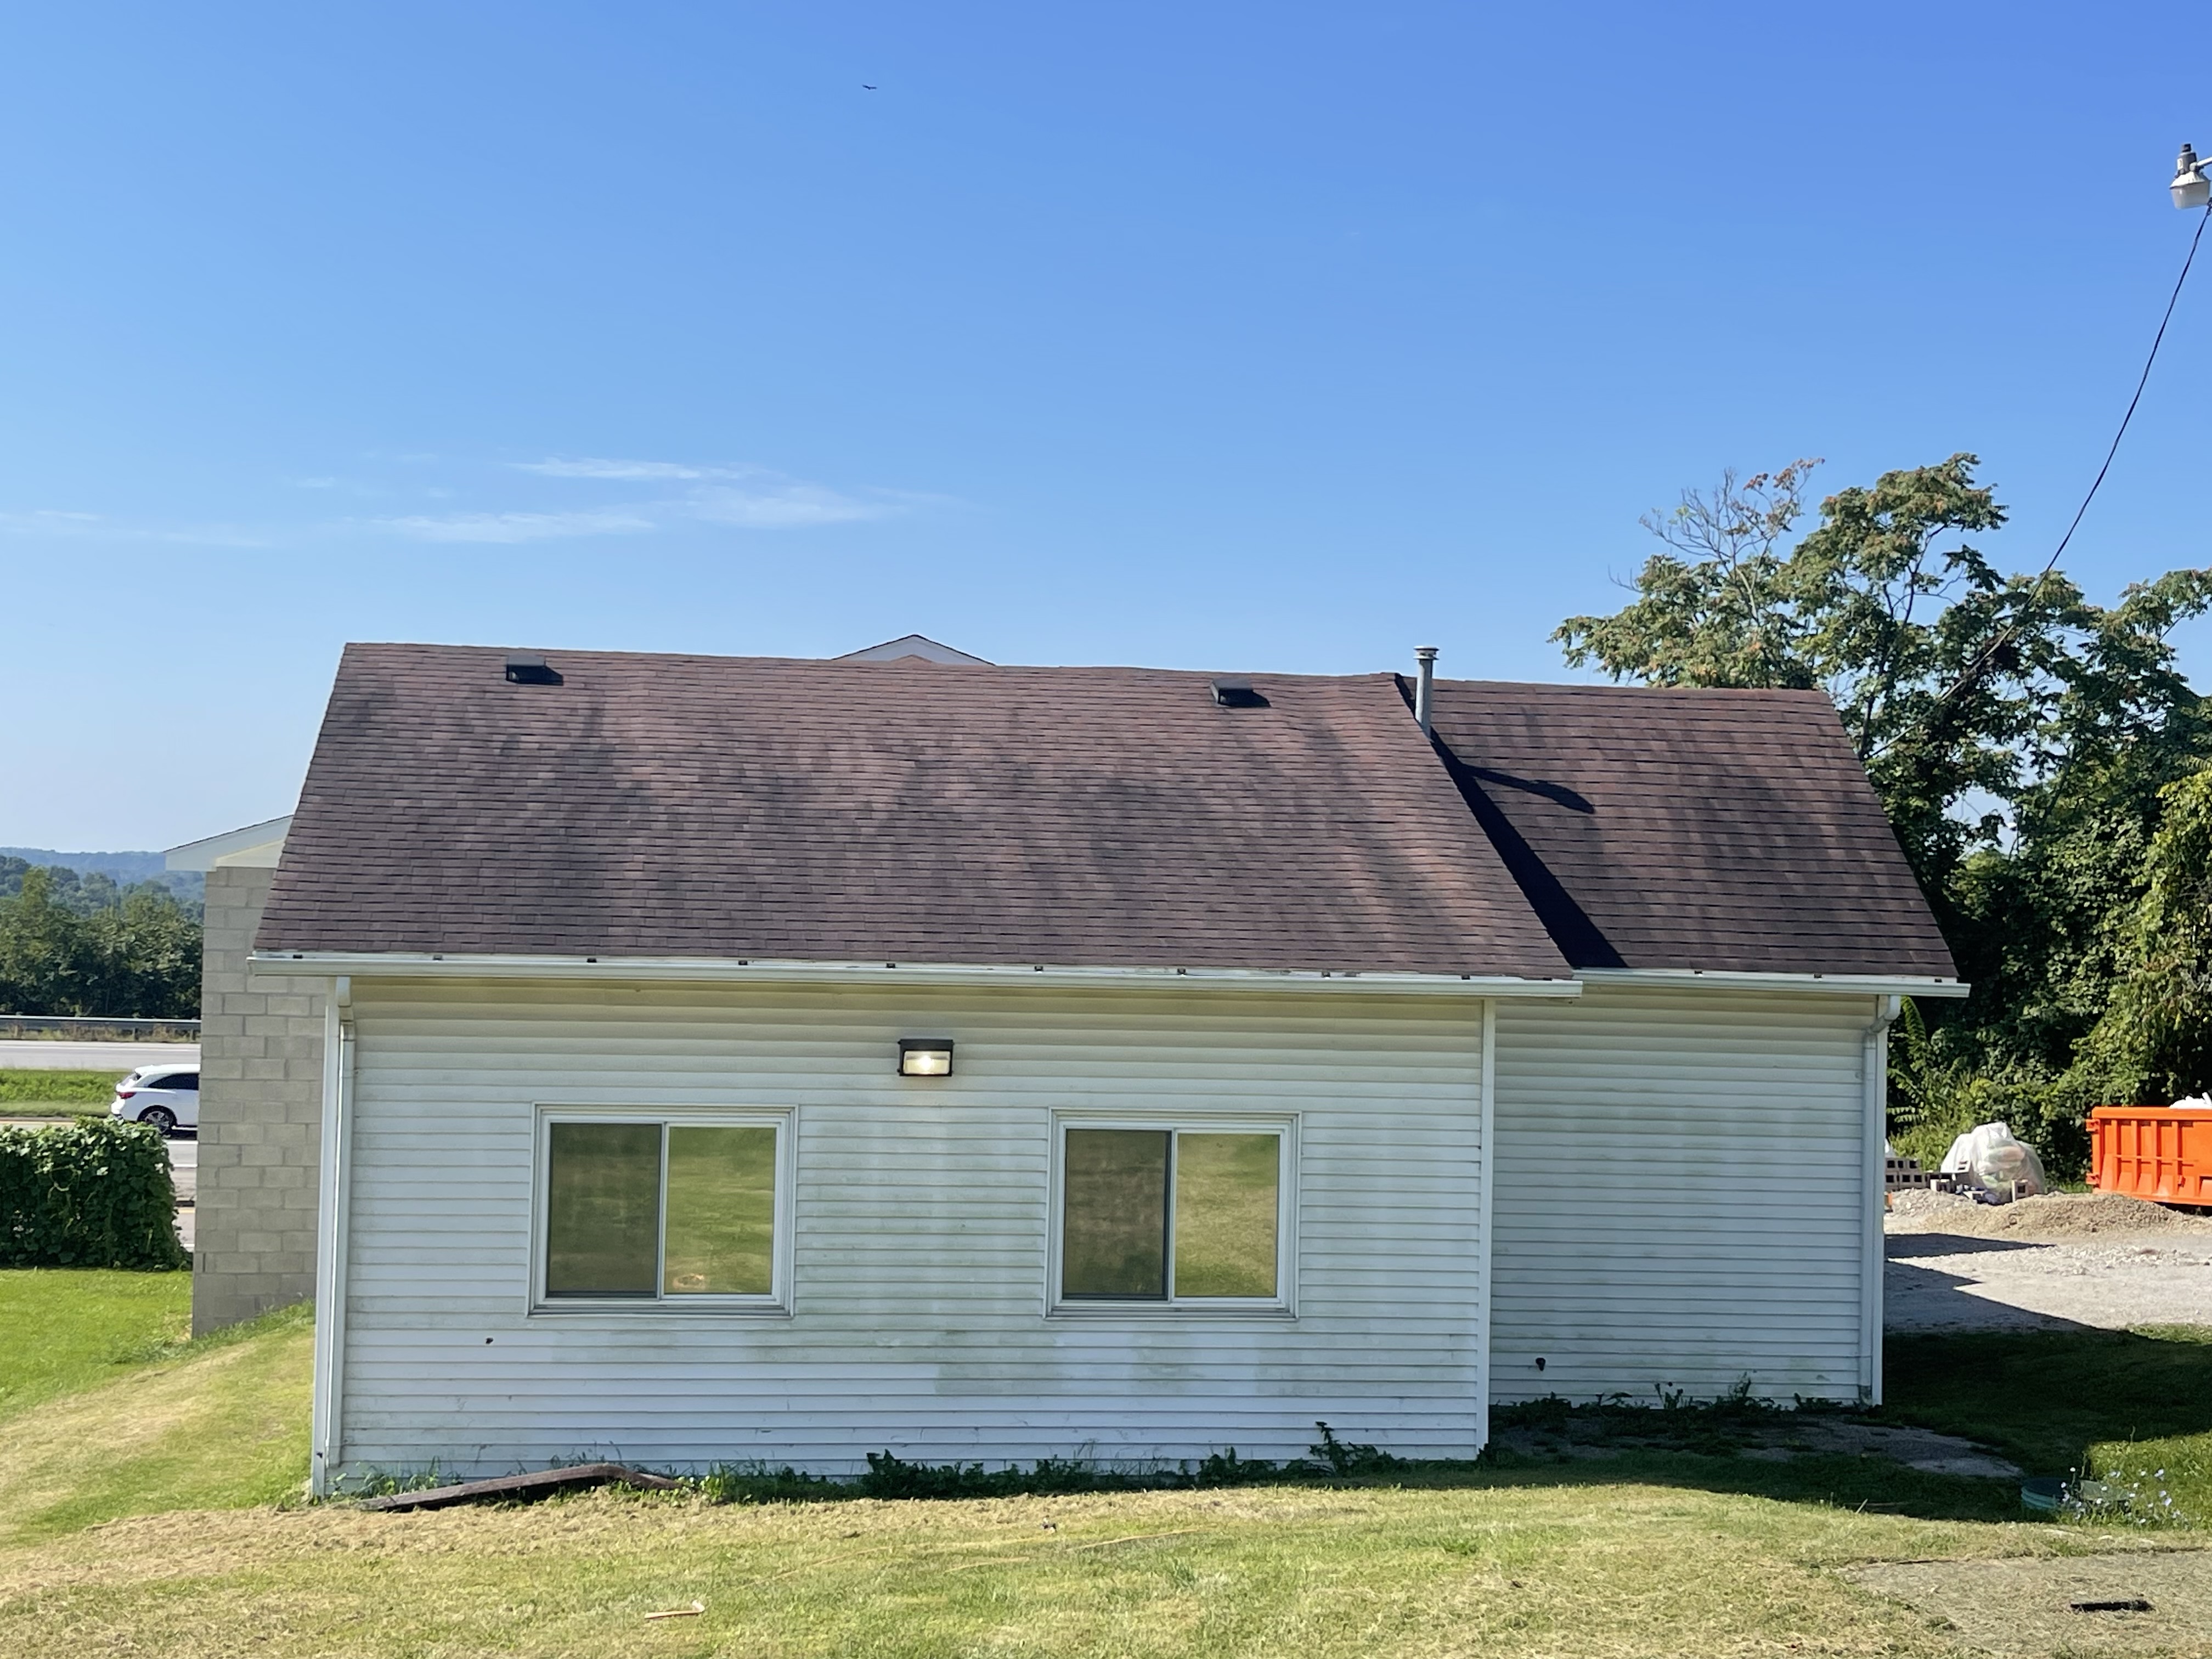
[(2062, 1262)]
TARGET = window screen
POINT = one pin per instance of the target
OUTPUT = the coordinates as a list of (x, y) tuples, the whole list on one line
[(1113, 1239), (603, 1209)]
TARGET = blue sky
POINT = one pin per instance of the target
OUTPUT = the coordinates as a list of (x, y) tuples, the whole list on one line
[(1212, 335)]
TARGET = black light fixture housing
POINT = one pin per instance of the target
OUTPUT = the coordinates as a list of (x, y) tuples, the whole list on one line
[(530, 668), (925, 1057)]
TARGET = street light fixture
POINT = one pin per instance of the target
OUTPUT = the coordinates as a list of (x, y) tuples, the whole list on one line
[(2192, 189)]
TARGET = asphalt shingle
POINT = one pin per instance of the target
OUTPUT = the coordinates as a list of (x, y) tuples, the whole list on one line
[(668, 806), (1714, 830)]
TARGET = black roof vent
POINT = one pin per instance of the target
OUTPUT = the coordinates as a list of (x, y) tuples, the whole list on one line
[(530, 668), (1238, 694)]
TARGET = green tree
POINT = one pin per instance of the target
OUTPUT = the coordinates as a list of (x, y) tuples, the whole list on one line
[(1957, 685), (2154, 1039), (139, 956), (38, 948), (2022, 740)]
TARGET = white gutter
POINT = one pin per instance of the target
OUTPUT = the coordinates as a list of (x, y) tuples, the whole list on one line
[(1875, 1073), (1880, 985), (326, 1439), (447, 964)]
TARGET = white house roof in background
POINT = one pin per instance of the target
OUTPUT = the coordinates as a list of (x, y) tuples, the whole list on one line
[(255, 845), (913, 645)]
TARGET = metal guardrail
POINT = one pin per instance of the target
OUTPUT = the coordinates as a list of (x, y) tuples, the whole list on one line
[(88, 1028)]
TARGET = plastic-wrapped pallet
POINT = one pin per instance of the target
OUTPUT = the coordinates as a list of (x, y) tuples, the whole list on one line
[(1991, 1158)]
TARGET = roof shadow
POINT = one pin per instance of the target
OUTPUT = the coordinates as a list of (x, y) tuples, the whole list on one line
[(1578, 938), (1558, 793)]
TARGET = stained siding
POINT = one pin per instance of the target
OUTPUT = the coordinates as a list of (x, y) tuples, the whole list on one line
[(921, 1213), (1680, 1195)]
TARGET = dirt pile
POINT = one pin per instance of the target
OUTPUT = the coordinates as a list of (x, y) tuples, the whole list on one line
[(2052, 1217)]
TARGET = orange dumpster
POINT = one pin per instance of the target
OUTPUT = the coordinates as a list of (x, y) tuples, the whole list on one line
[(2163, 1153)]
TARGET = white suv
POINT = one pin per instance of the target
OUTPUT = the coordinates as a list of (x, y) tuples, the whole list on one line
[(166, 1096)]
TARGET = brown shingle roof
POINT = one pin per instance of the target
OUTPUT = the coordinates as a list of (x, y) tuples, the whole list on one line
[(1713, 829), (898, 811)]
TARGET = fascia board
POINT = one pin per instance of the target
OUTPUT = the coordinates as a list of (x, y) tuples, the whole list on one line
[(421, 965), (1880, 985)]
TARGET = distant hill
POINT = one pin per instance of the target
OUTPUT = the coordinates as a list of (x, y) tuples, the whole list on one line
[(124, 869)]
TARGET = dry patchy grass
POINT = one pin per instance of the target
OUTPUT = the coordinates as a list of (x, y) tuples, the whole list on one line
[(1598, 1569), (151, 1514)]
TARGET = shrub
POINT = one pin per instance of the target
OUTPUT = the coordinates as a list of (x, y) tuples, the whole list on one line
[(94, 1193)]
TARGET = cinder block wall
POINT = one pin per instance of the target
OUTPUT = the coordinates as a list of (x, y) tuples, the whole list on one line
[(261, 1108)]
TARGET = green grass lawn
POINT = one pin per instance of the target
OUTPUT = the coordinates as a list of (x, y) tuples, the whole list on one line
[(55, 1094), (109, 1410), (2132, 1406), (63, 1330), (149, 1506)]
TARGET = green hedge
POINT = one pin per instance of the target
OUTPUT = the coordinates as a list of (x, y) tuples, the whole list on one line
[(87, 1194)]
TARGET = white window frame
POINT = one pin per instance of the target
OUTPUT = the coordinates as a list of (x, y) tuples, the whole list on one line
[(776, 1304), (1281, 1305)]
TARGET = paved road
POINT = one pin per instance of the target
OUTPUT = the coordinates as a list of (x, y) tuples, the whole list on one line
[(184, 1172), (35, 1055)]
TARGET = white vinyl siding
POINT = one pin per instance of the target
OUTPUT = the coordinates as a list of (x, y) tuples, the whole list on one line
[(1681, 1199), (919, 1286)]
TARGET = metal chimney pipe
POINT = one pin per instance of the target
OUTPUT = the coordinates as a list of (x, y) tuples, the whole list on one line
[(1424, 688)]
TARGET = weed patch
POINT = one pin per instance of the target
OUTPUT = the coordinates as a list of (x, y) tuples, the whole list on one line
[(890, 1477)]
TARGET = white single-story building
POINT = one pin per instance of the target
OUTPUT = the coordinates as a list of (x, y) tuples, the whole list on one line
[(753, 1060)]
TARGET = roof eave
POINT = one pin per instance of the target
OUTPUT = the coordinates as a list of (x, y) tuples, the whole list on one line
[(409, 964), (1881, 984)]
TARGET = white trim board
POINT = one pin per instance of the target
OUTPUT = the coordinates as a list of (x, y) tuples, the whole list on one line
[(257, 846), (448, 965), (1859, 985)]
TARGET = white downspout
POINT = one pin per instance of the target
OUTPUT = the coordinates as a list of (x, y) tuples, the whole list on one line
[(1875, 1072), (326, 1440), (1484, 1231)]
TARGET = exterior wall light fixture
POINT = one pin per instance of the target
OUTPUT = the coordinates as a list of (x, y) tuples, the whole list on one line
[(925, 1057)]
